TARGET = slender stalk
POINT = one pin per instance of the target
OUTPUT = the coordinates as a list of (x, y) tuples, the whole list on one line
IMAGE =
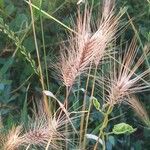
[(66, 105), (48, 144), (84, 107), (39, 62), (103, 139), (104, 125), (78, 93), (44, 50), (28, 147), (49, 16), (68, 89), (89, 109)]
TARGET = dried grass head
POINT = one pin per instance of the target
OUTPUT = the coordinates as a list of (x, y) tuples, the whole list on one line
[(139, 109), (13, 139), (42, 131), (125, 78), (88, 45), (49, 132)]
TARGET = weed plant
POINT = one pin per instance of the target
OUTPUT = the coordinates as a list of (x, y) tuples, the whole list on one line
[(85, 95)]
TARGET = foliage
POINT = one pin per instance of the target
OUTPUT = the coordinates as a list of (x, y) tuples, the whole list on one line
[(22, 82), (123, 128)]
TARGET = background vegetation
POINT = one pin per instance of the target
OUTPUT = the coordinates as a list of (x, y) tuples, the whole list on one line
[(20, 84)]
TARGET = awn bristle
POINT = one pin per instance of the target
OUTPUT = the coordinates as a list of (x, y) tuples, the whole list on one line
[(139, 109), (86, 46), (108, 6), (41, 132), (126, 79), (13, 139)]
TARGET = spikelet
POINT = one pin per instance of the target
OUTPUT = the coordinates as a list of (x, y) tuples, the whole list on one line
[(87, 45), (106, 29), (108, 6), (139, 109), (37, 132), (41, 132), (14, 139), (76, 56), (125, 78)]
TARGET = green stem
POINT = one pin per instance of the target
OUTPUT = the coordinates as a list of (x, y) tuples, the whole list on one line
[(44, 50), (89, 109), (104, 125), (84, 107), (39, 62), (66, 104), (51, 17)]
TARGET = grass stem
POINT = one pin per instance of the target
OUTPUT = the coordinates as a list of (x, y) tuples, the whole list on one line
[(83, 108), (104, 125), (89, 109), (39, 62)]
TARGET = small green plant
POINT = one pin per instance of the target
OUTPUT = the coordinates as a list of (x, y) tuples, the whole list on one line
[(123, 128)]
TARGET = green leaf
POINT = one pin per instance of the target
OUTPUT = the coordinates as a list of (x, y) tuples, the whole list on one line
[(1, 3), (123, 128), (6, 66), (1, 21), (13, 98), (111, 140), (10, 9), (10, 121), (96, 103), (20, 20)]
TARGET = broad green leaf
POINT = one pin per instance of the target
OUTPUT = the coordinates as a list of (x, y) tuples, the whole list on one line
[(24, 112), (123, 128), (148, 35), (10, 121), (20, 20), (6, 82)]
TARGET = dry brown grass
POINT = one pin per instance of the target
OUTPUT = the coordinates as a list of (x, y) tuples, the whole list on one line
[(87, 45), (139, 109), (14, 139), (125, 78), (42, 131)]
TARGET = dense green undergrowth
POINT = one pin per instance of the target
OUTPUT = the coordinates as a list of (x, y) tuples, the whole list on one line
[(28, 55)]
